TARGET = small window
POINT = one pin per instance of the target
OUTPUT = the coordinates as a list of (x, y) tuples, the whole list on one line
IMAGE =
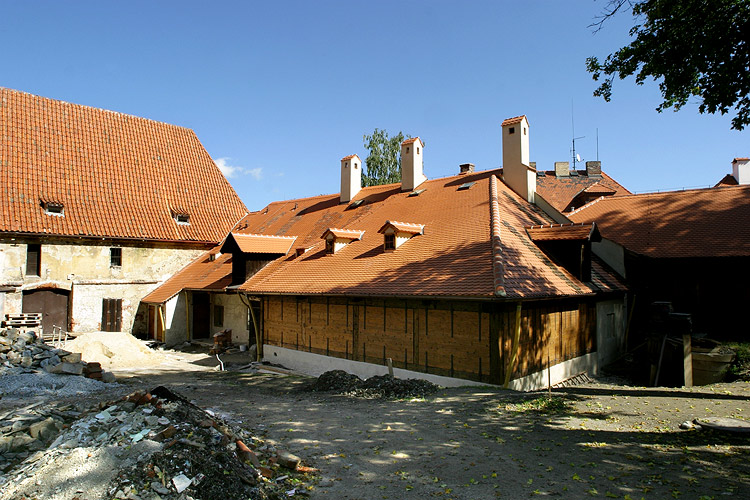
[(219, 316), (329, 246), (33, 259), (355, 166), (182, 218), (115, 257), (51, 208), (407, 149), (511, 130), (390, 241), (417, 150), (524, 131)]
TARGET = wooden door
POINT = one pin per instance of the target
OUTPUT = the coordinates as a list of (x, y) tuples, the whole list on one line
[(53, 304), (112, 315)]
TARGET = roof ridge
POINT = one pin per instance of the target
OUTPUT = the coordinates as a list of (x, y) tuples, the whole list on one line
[(94, 108), (498, 268)]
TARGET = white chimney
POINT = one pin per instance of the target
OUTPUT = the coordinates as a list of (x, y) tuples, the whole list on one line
[(412, 174), (351, 177), (517, 173), (741, 170), (562, 169)]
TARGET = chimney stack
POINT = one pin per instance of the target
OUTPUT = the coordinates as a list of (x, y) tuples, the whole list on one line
[(466, 168), (351, 177), (412, 166), (594, 168), (741, 170), (517, 173), (562, 169)]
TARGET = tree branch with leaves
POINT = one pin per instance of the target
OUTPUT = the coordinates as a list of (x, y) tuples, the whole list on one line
[(693, 48), (383, 164)]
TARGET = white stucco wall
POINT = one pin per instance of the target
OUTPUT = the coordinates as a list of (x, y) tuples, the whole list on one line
[(235, 317)]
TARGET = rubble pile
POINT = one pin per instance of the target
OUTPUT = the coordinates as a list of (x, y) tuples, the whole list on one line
[(26, 350), (157, 446), (382, 386)]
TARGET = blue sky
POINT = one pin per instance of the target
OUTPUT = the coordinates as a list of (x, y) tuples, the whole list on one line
[(281, 91)]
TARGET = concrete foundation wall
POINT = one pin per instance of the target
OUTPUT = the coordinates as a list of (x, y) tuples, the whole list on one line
[(562, 371)]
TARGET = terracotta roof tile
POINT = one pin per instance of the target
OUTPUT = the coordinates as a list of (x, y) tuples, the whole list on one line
[(413, 139), (740, 159), (556, 232), (476, 245), (563, 193), (211, 271), (117, 175), (513, 121), (344, 233), (349, 157), (263, 243), (678, 224), (404, 227)]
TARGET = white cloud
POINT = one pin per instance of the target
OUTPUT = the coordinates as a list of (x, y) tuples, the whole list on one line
[(230, 171)]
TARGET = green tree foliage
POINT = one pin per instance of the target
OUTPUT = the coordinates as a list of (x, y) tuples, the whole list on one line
[(693, 48), (383, 164)]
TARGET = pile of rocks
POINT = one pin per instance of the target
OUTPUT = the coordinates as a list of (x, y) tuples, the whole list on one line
[(383, 386), (157, 445), (27, 350)]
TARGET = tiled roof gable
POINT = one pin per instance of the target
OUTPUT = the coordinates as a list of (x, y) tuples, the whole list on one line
[(117, 175)]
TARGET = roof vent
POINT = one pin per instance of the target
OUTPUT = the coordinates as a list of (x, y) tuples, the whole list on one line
[(53, 208), (465, 186), (181, 216), (466, 168), (416, 192)]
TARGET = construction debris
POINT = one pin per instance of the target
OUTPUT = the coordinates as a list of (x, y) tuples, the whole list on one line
[(155, 445), (382, 386), (26, 350)]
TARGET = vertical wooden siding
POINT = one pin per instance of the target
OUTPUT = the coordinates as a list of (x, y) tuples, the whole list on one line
[(469, 340)]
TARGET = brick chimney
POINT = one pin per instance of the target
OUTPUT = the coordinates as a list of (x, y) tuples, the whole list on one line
[(466, 168), (351, 177), (412, 166), (594, 168), (741, 170), (517, 173), (562, 169)]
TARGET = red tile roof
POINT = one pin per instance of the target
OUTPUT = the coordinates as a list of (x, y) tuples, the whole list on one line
[(349, 157), (349, 234), (563, 193), (513, 121), (413, 139), (404, 227), (205, 273), (476, 246), (727, 180), (262, 243), (117, 176), (692, 223), (558, 232)]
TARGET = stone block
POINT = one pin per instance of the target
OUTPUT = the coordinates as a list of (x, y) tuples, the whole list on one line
[(286, 459), (73, 357), (108, 377), (71, 368), (53, 368), (44, 430)]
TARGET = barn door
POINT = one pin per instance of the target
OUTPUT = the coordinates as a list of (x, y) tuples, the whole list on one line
[(53, 304), (201, 302)]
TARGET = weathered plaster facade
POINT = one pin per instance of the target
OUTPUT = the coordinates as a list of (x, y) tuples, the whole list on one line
[(85, 269)]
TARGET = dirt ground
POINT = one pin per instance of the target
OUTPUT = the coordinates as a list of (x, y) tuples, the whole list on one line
[(595, 440)]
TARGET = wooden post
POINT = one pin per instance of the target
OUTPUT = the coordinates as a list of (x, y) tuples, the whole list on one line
[(687, 359), (390, 367), (514, 348), (187, 317)]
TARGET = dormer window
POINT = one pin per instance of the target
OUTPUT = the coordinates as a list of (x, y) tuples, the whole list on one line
[(390, 242), (53, 208), (396, 234), (330, 244), (336, 239), (181, 216)]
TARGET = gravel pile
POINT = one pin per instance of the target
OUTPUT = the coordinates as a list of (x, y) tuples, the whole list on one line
[(381, 386), (16, 383)]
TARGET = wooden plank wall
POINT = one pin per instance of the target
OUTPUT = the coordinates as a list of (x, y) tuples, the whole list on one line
[(470, 340)]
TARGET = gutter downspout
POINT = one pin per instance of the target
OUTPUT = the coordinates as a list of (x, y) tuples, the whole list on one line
[(258, 347)]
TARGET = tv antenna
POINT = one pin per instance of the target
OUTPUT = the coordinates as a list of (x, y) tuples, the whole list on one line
[(576, 158)]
